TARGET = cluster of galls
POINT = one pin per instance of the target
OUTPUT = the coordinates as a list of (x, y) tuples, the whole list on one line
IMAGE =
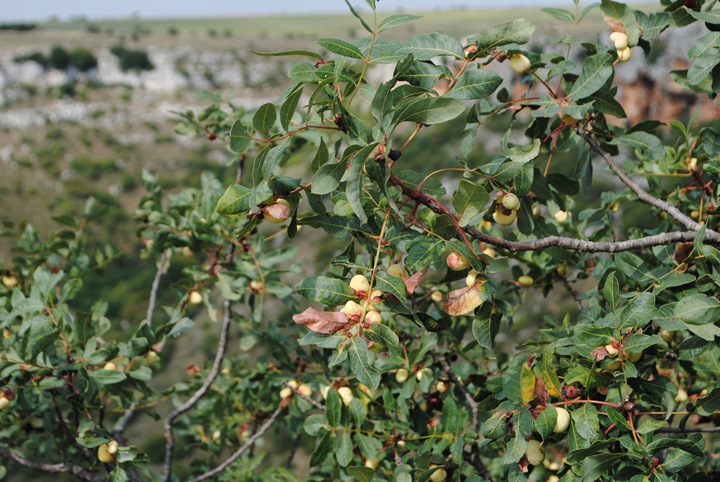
[(620, 39), (506, 209), (6, 396), (366, 311)]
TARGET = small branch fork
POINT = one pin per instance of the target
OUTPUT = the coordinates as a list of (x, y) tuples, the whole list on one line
[(200, 393), (238, 453), (79, 472)]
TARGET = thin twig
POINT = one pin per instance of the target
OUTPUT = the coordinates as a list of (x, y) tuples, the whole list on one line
[(251, 441), (468, 397), (552, 241), (572, 292), (313, 402), (643, 195), (76, 470), (200, 393), (162, 265)]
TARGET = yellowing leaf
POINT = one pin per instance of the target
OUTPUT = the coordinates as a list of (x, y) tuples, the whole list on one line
[(527, 384)]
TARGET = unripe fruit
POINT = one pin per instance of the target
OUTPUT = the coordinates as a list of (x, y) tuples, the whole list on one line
[(195, 298), (561, 216), (422, 373), (352, 310), (563, 420), (681, 396), (612, 350), (667, 335), (402, 375), (360, 285), (277, 212), (373, 317), (372, 464), (304, 390), (519, 63), (104, 455), (620, 40), (569, 120), (110, 366), (286, 393), (525, 281), (439, 475), (634, 357), (257, 286), (510, 201), (535, 452), (436, 296), (471, 277), (9, 281), (4, 403), (397, 271), (504, 217), (624, 54), (152, 357), (441, 387), (456, 262), (346, 395)]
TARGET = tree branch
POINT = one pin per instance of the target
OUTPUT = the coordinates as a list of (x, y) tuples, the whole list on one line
[(552, 241), (79, 472), (642, 194), (688, 430), (190, 403), (468, 397), (313, 402), (162, 266), (261, 431)]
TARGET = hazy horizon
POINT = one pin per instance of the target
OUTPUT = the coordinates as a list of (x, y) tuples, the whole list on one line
[(41, 10)]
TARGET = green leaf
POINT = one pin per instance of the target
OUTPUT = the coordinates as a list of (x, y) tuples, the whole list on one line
[(512, 379), (333, 408), (327, 178), (516, 32), (424, 74), (344, 447), (358, 16), (485, 327), (361, 474), (341, 47), (593, 468), (382, 102), (698, 309), (708, 405), (611, 291), (323, 448), (545, 421), (287, 110), (650, 144), (475, 85), (586, 421), (240, 139), (235, 200), (288, 53), (639, 311), (329, 291), (596, 71), (380, 333), (303, 72), (495, 427), (637, 342), (264, 118), (469, 200), (394, 21), (428, 110), (360, 364), (548, 372), (354, 183), (107, 377), (559, 13), (515, 448), (396, 287), (427, 46)]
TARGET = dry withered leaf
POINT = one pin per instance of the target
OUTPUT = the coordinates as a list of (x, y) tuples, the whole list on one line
[(277, 211), (325, 322), (412, 282), (463, 301), (600, 353), (541, 394)]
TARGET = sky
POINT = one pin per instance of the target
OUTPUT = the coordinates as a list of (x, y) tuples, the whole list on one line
[(37, 10)]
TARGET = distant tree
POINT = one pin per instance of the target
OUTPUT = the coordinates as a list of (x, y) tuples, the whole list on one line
[(83, 59), (59, 59)]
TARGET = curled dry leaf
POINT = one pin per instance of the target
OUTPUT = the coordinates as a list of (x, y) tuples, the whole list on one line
[(600, 353), (325, 322), (463, 301), (412, 282), (541, 394), (277, 211)]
